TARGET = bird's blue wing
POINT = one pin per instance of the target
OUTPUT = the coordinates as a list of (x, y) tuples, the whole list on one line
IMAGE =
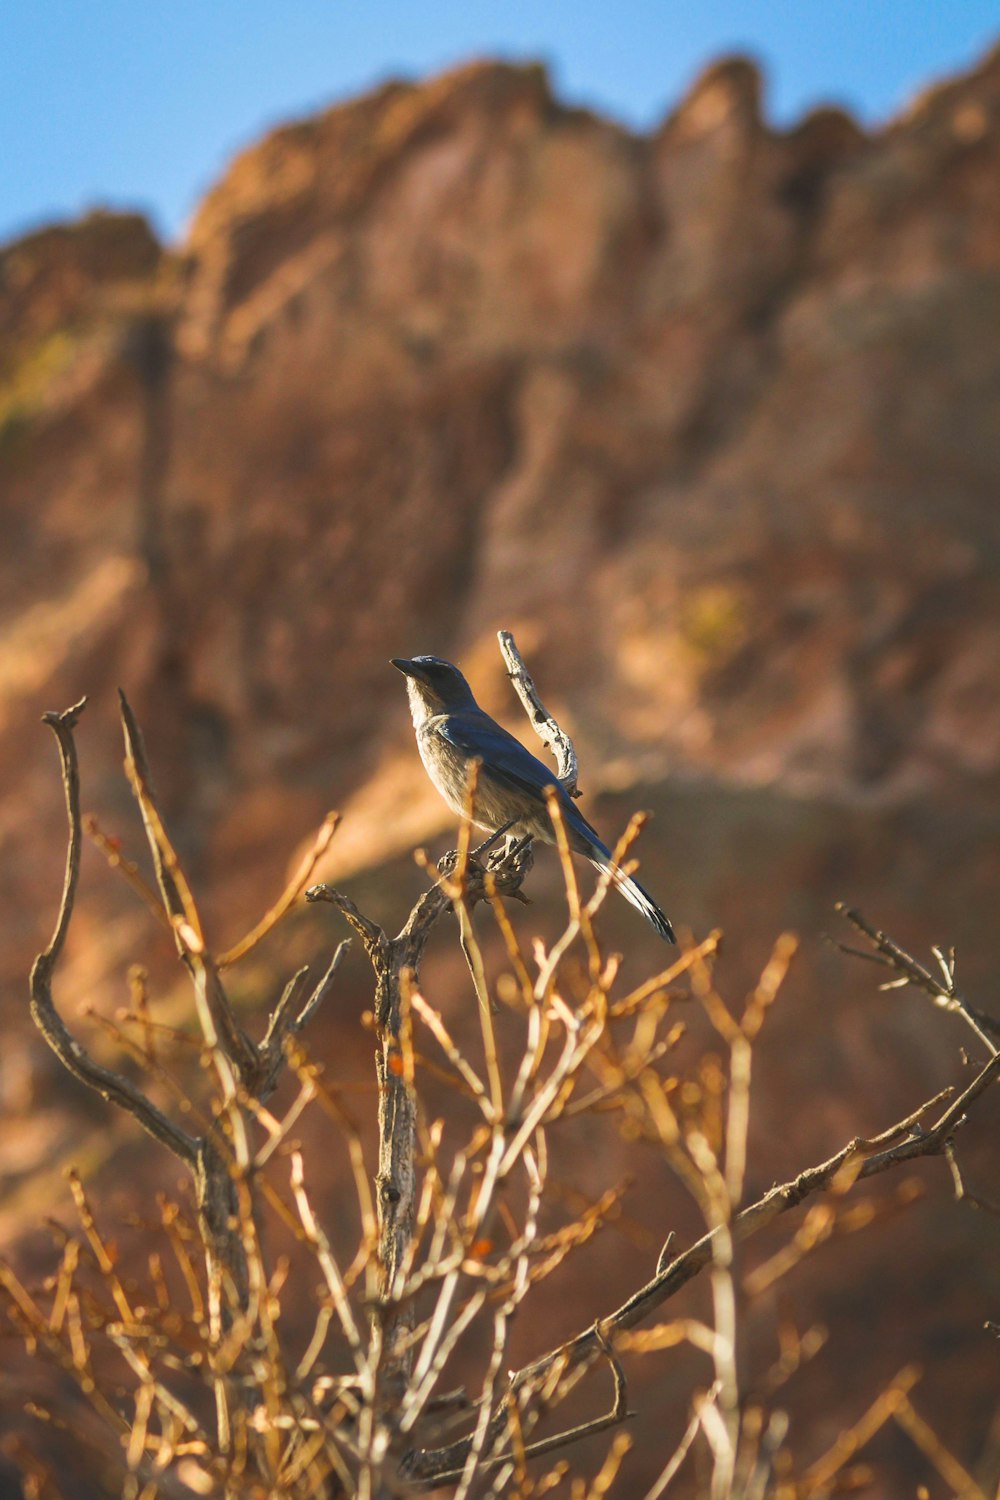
[(505, 760), (503, 757), (518, 781)]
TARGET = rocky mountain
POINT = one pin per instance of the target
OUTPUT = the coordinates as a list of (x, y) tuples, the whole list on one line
[(710, 418)]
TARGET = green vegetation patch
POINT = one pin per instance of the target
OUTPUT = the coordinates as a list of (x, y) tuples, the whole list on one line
[(25, 389)]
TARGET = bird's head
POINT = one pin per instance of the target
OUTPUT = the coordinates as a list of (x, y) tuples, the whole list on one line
[(434, 685)]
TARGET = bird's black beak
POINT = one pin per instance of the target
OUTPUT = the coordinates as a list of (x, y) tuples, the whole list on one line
[(408, 668)]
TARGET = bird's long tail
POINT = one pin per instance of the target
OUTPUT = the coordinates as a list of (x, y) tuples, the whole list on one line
[(633, 892)]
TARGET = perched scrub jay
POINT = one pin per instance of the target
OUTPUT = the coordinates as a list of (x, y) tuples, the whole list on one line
[(452, 730)]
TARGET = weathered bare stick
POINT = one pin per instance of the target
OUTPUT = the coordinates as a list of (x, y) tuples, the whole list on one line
[(219, 1157), (553, 737), (234, 1056), (396, 1116), (911, 971), (110, 1085), (180, 905), (288, 1019)]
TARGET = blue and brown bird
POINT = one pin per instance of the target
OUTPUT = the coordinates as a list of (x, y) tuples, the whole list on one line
[(453, 731)]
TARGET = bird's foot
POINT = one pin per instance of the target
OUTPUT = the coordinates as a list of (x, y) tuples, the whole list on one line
[(448, 864), (508, 864), (511, 864)]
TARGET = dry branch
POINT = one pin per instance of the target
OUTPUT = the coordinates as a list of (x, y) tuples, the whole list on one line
[(910, 971), (218, 1021), (553, 737), (218, 1157), (110, 1085), (293, 890)]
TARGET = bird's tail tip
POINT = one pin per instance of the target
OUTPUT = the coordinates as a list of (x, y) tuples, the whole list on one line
[(656, 919), (640, 899), (663, 925)]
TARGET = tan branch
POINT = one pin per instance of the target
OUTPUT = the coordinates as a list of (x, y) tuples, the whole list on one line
[(111, 850), (112, 1086), (911, 971), (288, 1019), (289, 895), (619, 1413), (181, 909), (553, 737)]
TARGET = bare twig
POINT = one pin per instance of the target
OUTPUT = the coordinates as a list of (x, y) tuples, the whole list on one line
[(618, 1413), (111, 850), (180, 906), (817, 1477), (288, 1019), (390, 959), (683, 1447), (293, 890), (954, 1474), (554, 738), (911, 971), (110, 1085), (962, 1193)]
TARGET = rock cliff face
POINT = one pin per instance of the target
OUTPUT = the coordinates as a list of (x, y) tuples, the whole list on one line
[(710, 418), (713, 415)]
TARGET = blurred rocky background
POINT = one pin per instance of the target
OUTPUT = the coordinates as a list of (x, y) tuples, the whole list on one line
[(710, 418)]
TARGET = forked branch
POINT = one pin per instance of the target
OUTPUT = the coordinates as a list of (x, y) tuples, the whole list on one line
[(210, 1157), (941, 987), (114, 1087), (218, 1021)]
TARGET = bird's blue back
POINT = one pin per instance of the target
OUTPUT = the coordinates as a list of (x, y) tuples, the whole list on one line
[(505, 761)]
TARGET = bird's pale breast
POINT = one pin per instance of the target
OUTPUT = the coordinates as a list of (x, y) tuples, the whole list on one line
[(496, 802)]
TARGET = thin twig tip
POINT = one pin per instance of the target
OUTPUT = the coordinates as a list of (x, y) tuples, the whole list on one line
[(67, 719)]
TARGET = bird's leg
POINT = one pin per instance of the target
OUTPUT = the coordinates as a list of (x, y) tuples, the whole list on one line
[(514, 845), (448, 863), (488, 843)]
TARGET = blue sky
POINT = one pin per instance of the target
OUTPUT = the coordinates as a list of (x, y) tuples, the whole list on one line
[(134, 104)]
